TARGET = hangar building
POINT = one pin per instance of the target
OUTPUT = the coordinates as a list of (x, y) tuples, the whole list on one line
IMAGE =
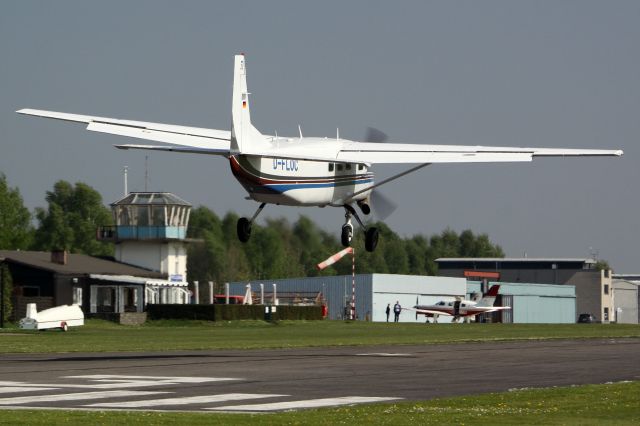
[(592, 286), (531, 303), (626, 298)]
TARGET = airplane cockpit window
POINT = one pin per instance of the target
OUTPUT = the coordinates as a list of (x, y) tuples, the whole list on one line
[(331, 167), (440, 304), (340, 166), (347, 166), (360, 166)]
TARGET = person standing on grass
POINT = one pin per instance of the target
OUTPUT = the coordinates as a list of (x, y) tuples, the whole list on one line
[(396, 311), (388, 311)]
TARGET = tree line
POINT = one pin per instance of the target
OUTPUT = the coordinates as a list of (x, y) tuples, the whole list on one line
[(278, 249)]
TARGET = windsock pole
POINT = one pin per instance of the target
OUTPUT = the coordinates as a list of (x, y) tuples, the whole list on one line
[(353, 284)]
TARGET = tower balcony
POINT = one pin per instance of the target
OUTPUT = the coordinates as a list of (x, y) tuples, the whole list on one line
[(147, 233)]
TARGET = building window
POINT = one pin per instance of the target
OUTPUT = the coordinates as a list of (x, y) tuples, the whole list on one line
[(606, 289), (606, 314), (77, 296)]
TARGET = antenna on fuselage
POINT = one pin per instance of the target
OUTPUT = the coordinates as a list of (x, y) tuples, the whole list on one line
[(300, 130)]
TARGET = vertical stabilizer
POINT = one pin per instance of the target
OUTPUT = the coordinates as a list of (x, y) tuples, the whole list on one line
[(489, 298), (244, 136)]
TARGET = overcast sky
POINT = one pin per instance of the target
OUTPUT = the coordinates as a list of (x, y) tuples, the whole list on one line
[(560, 74)]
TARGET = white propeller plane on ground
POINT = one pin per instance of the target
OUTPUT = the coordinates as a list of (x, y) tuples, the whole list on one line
[(299, 171), (460, 308)]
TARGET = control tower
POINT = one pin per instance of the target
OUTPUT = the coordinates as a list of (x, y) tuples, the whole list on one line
[(150, 232)]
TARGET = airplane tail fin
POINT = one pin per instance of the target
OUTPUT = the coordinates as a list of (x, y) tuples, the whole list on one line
[(489, 298), (244, 136)]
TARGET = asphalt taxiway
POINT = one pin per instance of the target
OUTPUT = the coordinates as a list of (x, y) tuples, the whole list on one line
[(272, 380)]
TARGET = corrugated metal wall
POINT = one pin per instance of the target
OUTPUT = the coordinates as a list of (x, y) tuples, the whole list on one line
[(531, 303), (409, 289), (336, 291), (537, 303), (373, 292)]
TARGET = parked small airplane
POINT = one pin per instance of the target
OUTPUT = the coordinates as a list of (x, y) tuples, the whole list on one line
[(460, 308), (303, 171)]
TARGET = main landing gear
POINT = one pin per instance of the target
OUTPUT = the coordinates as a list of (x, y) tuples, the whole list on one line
[(371, 234), (244, 225)]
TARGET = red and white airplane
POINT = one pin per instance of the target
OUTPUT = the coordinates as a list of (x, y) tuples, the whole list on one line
[(461, 308), (302, 171)]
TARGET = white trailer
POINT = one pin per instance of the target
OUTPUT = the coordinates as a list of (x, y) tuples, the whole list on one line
[(63, 317)]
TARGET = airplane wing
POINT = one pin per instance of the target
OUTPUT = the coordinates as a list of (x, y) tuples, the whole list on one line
[(217, 142), (195, 139), (495, 308), (389, 153), (426, 311)]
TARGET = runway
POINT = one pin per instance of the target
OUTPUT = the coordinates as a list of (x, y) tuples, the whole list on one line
[(275, 380)]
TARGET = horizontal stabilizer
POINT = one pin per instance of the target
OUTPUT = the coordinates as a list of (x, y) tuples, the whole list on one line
[(169, 148)]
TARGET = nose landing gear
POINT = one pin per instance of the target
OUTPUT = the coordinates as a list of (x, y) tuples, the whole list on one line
[(371, 234)]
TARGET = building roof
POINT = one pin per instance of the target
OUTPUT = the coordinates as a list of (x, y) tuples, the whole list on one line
[(151, 198), (76, 264), (514, 259)]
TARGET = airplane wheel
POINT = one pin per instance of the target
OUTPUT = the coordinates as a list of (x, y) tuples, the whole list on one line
[(244, 229), (347, 235), (371, 239), (64, 326)]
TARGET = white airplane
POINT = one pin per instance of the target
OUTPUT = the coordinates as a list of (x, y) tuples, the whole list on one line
[(460, 308), (302, 171)]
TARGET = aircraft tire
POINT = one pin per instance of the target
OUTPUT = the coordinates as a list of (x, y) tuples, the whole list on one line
[(347, 235), (64, 326), (371, 239), (244, 229)]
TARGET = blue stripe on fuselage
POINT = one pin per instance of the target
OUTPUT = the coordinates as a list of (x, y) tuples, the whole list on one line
[(281, 188)]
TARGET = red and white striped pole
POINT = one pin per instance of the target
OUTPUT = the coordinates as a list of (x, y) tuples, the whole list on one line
[(353, 284)]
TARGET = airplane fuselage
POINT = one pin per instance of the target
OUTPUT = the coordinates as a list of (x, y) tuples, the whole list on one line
[(294, 182), (455, 308)]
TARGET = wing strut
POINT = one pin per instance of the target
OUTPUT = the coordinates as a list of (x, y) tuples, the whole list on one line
[(389, 179)]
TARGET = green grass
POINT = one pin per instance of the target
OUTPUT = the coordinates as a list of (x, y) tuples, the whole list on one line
[(102, 336), (609, 404)]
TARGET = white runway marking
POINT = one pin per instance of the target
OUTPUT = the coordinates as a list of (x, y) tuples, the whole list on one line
[(202, 399), (73, 397), (163, 379), (296, 405), (16, 389), (383, 354)]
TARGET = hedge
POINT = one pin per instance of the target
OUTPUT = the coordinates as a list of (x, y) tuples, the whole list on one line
[(219, 312)]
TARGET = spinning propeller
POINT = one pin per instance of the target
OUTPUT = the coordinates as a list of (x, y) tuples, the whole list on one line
[(382, 205)]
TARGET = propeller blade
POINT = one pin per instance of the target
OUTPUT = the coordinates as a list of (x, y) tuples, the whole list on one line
[(416, 308), (375, 135), (382, 206)]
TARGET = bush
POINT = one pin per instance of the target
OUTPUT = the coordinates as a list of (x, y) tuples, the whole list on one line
[(189, 312), (232, 312)]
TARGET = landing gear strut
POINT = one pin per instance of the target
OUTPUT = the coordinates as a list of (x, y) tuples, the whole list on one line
[(371, 234), (244, 225)]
